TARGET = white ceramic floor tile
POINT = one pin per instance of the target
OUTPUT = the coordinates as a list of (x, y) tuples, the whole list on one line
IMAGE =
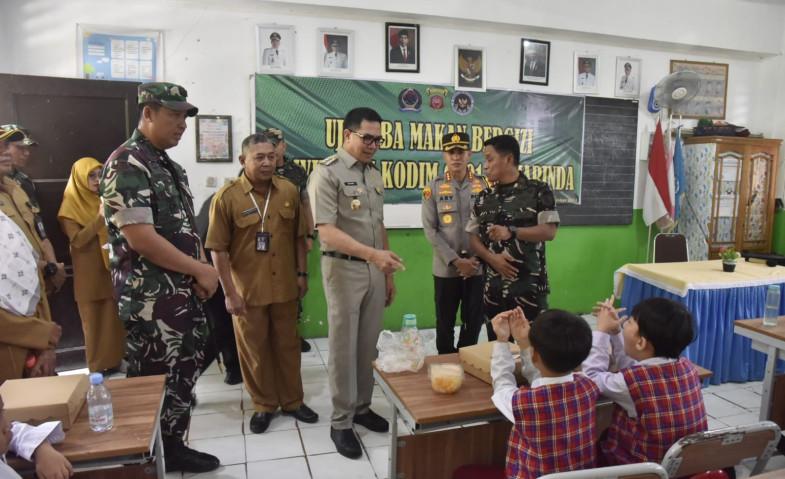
[(290, 468), (220, 401), (312, 358), (740, 419), (174, 475), (316, 440), (322, 405), (223, 472), (722, 388), (212, 369), (278, 423), (206, 426), (213, 383), (379, 457), (743, 397), (335, 466), (313, 373), (322, 344), (372, 439), (230, 450), (325, 356), (718, 408), (716, 424), (273, 445)]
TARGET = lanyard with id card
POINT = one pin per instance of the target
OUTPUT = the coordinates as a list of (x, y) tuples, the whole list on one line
[(262, 236)]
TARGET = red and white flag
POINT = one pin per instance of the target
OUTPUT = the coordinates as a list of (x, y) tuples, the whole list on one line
[(657, 192)]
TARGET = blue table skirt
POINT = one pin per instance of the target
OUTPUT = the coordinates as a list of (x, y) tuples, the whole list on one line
[(729, 356)]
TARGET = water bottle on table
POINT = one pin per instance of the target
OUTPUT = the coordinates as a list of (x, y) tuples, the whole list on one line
[(99, 404), (410, 337), (772, 305)]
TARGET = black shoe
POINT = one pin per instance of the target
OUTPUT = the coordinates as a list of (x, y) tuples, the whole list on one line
[(260, 421), (346, 442), (304, 414), (372, 421), (233, 377), (305, 346), (179, 457)]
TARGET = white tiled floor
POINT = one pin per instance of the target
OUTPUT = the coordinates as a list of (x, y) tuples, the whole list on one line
[(292, 450)]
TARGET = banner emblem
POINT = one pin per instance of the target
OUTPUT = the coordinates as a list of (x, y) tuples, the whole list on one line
[(410, 100), (462, 103)]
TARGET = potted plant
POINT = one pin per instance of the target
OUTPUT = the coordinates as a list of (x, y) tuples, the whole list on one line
[(729, 257)]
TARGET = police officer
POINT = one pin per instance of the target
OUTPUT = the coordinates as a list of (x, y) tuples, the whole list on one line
[(447, 203), (509, 226), (335, 58), (587, 78), (274, 56), (347, 196), (158, 265)]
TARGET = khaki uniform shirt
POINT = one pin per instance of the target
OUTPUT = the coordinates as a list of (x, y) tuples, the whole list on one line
[(446, 208), (260, 278), (350, 195)]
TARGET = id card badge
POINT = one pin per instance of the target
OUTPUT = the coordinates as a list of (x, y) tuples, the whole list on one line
[(262, 242), (39, 225)]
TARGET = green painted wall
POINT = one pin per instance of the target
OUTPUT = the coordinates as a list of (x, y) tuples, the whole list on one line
[(778, 235)]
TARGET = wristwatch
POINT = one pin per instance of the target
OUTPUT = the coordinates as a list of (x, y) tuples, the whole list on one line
[(311, 235), (50, 270), (301, 274), (513, 231)]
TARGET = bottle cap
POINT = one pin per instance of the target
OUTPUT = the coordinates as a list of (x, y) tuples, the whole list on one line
[(96, 378), (775, 287), (410, 320)]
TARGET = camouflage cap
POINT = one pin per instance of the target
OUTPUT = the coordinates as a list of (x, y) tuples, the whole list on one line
[(25, 139), (166, 94), (458, 140), (273, 134), (11, 134)]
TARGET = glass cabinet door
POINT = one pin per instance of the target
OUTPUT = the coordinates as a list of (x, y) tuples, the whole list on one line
[(726, 199), (759, 179)]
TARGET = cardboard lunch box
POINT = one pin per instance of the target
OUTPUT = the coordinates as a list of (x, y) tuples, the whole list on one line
[(38, 400), (476, 360)]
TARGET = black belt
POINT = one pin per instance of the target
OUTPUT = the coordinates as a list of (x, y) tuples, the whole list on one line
[(335, 254)]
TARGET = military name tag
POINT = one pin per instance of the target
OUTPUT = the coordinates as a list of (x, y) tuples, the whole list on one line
[(262, 242), (249, 211)]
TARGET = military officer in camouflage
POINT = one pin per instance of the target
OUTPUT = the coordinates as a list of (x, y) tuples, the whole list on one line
[(447, 203), (157, 263), (510, 223)]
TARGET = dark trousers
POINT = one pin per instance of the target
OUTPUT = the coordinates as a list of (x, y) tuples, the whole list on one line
[(448, 294), (491, 309), (222, 333)]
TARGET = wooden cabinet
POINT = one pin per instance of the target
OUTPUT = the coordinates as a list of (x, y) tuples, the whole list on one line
[(729, 194)]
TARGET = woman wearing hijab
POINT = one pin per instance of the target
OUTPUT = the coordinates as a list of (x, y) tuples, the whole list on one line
[(82, 219)]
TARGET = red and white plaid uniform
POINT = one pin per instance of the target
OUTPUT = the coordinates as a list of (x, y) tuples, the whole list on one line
[(669, 404), (554, 429)]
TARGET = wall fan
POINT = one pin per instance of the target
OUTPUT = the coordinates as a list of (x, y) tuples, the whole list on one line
[(673, 90)]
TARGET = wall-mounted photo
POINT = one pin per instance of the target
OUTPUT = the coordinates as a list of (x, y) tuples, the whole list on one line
[(535, 61), (275, 49), (402, 44), (586, 76), (628, 77), (214, 138), (336, 52), (710, 100), (469, 74)]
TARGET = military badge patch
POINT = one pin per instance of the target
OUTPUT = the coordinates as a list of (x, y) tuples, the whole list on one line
[(410, 100), (447, 218), (437, 98), (426, 194)]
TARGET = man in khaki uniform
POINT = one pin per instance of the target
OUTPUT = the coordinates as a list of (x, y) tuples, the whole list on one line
[(257, 237), (347, 196)]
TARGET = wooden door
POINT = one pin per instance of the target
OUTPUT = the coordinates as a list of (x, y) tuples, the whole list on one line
[(70, 119)]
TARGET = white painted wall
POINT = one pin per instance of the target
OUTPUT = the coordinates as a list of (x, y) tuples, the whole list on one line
[(211, 50)]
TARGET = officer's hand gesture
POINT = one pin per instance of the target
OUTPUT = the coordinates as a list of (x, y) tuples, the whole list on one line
[(207, 280), (386, 261), (466, 267), (499, 233), (235, 304), (502, 264)]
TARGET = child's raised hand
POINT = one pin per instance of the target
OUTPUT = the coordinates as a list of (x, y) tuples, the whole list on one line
[(501, 326), (519, 328), (608, 320)]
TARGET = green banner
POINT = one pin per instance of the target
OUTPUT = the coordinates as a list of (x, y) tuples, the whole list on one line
[(310, 112)]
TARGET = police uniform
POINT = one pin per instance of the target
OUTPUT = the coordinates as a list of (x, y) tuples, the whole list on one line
[(446, 208), (274, 57), (164, 319), (586, 80), (296, 174), (267, 339), (523, 203), (335, 60), (350, 195)]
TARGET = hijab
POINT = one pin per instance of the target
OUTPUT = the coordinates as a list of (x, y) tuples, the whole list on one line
[(80, 204)]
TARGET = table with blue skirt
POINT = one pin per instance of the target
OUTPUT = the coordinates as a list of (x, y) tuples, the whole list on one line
[(716, 299)]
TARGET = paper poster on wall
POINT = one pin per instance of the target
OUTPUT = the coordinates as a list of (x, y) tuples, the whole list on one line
[(108, 53)]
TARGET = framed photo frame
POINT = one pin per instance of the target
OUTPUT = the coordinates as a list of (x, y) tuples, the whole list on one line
[(628, 77), (586, 77), (275, 49), (402, 47), (535, 61), (469, 71), (711, 98), (336, 52), (213, 138), (118, 53)]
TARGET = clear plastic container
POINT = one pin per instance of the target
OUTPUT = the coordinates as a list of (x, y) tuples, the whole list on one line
[(99, 404), (772, 311), (446, 378)]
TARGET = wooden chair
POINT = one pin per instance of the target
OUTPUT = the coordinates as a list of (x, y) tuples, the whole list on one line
[(721, 448), (670, 248), (644, 470)]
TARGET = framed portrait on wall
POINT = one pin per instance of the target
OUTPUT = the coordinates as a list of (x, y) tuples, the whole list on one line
[(710, 100), (275, 49), (402, 47), (535, 61), (213, 138), (336, 52), (586, 73), (469, 74), (628, 77)]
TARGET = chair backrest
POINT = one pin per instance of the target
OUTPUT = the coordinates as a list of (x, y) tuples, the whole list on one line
[(721, 448), (644, 470), (670, 248)]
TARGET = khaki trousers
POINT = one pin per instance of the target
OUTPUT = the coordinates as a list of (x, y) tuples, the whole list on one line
[(269, 349), (104, 334)]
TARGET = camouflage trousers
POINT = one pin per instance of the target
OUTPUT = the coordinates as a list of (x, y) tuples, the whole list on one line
[(154, 347), (495, 302)]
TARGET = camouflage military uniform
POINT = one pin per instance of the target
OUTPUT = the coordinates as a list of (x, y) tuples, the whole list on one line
[(294, 173), (164, 318), (27, 185), (523, 203)]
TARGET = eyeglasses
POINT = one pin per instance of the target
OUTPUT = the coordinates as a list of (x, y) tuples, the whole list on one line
[(368, 139)]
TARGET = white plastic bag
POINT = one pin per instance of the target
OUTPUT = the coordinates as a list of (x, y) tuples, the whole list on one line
[(394, 357)]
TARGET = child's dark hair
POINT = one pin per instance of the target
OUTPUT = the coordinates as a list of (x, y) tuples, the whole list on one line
[(667, 324), (562, 339)]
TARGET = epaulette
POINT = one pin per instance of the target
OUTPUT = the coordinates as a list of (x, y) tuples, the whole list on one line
[(487, 182), (329, 160)]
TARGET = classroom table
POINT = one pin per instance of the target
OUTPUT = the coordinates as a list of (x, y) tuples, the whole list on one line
[(769, 340), (132, 448), (716, 299)]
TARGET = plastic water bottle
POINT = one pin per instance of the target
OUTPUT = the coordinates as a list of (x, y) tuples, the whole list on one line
[(99, 404), (409, 335), (772, 305)]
